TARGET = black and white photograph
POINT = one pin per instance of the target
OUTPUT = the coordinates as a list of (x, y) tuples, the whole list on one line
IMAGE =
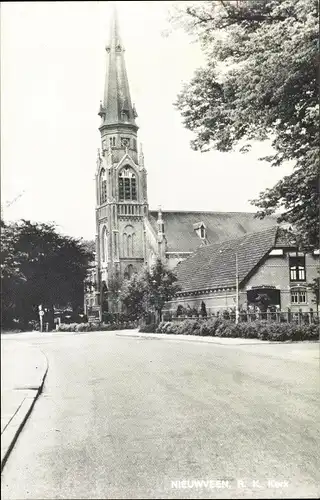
[(160, 273)]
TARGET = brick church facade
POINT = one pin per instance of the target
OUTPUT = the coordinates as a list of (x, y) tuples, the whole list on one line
[(128, 234)]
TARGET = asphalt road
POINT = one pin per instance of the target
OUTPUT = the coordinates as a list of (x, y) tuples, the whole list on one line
[(128, 417)]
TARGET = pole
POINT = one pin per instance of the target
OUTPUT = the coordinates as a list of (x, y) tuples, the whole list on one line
[(237, 290), (41, 317)]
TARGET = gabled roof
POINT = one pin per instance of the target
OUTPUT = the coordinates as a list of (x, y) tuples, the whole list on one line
[(214, 266), (220, 226)]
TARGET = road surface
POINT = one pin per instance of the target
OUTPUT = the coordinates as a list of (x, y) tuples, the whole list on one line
[(129, 417)]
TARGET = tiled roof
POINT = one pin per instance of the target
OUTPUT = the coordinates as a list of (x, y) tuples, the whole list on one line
[(285, 238), (220, 226), (214, 266)]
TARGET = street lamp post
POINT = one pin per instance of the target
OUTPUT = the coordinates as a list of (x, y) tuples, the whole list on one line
[(237, 290)]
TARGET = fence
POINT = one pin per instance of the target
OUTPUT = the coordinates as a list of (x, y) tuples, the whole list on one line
[(298, 317)]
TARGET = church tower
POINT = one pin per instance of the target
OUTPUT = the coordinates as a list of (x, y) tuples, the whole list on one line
[(121, 185)]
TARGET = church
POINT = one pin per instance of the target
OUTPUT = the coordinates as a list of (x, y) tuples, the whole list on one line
[(129, 234)]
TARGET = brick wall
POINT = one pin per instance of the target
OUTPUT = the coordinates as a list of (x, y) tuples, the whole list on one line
[(274, 271)]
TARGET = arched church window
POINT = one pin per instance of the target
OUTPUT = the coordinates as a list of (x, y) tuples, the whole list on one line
[(127, 185), (112, 141), (202, 232), (103, 186), (133, 237), (128, 241), (129, 245), (125, 244), (104, 245)]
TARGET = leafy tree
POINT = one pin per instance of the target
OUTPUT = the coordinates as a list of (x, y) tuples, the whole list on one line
[(90, 246), (180, 311), (203, 310), (315, 287), (149, 290), (260, 82), (162, 286), (11, 276), (113, 292), (40, 266), (133, 295)]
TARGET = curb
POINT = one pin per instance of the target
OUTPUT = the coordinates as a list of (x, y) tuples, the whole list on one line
[(225, 341), (13, 429), (198, 338)]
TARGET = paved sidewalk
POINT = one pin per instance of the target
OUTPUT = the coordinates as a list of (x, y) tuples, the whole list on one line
[(23, 371)]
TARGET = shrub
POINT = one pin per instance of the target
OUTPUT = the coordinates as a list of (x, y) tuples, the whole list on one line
[(222, 326), (263, 330), (84, 327), (95, 327), (226, 314), (34, 325), (151, 328), (67, 327), (209, 326), (190, 327)]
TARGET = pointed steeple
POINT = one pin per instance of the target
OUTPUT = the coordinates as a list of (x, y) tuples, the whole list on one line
[(116, 107)]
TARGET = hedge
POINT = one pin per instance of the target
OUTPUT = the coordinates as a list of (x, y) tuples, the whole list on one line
[(94, 327), (262, 330), (151, 328)]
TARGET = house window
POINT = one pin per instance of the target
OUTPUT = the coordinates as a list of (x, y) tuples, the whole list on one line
[(200, 229), (103, 186), (297, 268), (298, 297), (127, 185)]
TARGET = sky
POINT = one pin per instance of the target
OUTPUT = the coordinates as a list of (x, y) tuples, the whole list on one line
[(53, 68)]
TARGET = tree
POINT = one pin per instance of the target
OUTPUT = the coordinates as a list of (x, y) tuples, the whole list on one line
[(149, 289), (203, 310), (260, 82), (113, 291), (40, 266), (315, 287), (12, 279), (133, 295), (162, 286)]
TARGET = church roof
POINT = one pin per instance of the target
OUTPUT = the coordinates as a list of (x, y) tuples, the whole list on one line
[(214, 266), (180, 227)]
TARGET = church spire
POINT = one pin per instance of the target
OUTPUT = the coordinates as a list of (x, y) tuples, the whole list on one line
[(116, 107)]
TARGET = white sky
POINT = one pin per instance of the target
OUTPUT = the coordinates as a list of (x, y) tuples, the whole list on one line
[(53, 67)]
